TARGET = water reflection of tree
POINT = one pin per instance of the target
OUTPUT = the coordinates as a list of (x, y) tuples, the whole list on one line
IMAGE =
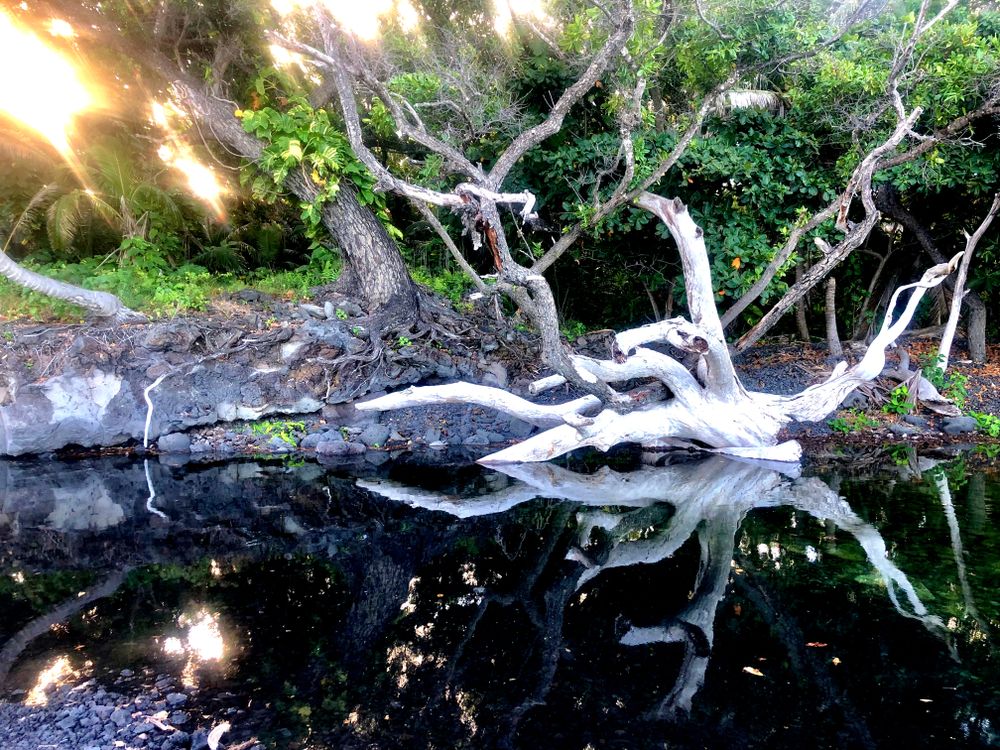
[(644, 517)]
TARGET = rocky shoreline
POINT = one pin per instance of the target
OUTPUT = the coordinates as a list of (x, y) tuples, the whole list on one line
[(259, 376), (134, 712)]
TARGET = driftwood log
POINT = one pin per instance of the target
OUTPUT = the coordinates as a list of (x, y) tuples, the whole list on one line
[(707, 406)]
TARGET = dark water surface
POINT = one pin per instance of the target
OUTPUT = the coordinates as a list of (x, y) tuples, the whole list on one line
[(702, 604)]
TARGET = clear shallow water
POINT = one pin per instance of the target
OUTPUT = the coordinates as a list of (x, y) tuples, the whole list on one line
[(704, 604)]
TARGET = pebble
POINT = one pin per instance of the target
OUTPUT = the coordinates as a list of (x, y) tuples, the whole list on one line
[(86, 717)]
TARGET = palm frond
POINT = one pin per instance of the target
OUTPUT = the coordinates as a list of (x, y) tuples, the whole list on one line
[(152, 198), (105, 211), (114, 173), (38, 202), (64, 217)]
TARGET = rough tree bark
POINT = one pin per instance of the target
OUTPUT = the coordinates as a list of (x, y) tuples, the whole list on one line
[(708, 407), (374, 270)]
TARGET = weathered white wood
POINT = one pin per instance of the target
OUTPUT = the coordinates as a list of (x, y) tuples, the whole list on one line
[(709, 409), (469, 393), (944, 351)]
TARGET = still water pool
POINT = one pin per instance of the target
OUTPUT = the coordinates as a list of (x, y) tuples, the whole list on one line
[(699, 604)]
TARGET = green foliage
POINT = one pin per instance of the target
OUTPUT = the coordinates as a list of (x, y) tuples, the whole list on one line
[(572, 329), (285, 430), (323, 268), (853, 421), (899, 401), (952, 386), (304, 140), (988, 423), (451, 284)]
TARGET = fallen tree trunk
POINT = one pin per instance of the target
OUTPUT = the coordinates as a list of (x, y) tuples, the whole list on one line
[(707, 408)]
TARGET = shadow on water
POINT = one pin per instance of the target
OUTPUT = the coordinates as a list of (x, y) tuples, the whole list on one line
[(705, 603)]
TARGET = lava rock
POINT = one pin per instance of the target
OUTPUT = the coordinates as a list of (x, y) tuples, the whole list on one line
[(855, 400), (312, 440), (175, 442), (375, 435), (959, 425)]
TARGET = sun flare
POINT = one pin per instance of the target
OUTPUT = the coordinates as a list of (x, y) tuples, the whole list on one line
[(363, 20), (45, 93), (202, 181)]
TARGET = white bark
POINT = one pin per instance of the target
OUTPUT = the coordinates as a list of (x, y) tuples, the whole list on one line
[(709, 408), (944, 351), (102, 304)]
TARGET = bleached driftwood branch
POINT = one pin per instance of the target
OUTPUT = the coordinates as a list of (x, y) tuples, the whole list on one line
[(709, 407)]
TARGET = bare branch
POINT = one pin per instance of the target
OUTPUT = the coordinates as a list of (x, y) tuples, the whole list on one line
[(449, 243), (624, 21)]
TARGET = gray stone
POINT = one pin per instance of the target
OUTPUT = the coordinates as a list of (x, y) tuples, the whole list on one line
[(176, 699), (179, 717), (433, 435), (314, 310), (312, 440), (959, 425), (143, 727), (103, 712), (520, 429), (330, 446), (376, 458), (855, 400), (67, 723), (278, 445), (918, 422), (495, 376), (903, 430), (351, 308), (120, 717), (479, 439), (375, 435)]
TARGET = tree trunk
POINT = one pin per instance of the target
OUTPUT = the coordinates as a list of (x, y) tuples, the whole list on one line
[(800, 311), (103, 304), (374, 270), (381, 277), (832, 337)]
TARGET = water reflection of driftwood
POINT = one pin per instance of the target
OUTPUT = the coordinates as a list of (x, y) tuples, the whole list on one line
[(18, 642), (647, 515)]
